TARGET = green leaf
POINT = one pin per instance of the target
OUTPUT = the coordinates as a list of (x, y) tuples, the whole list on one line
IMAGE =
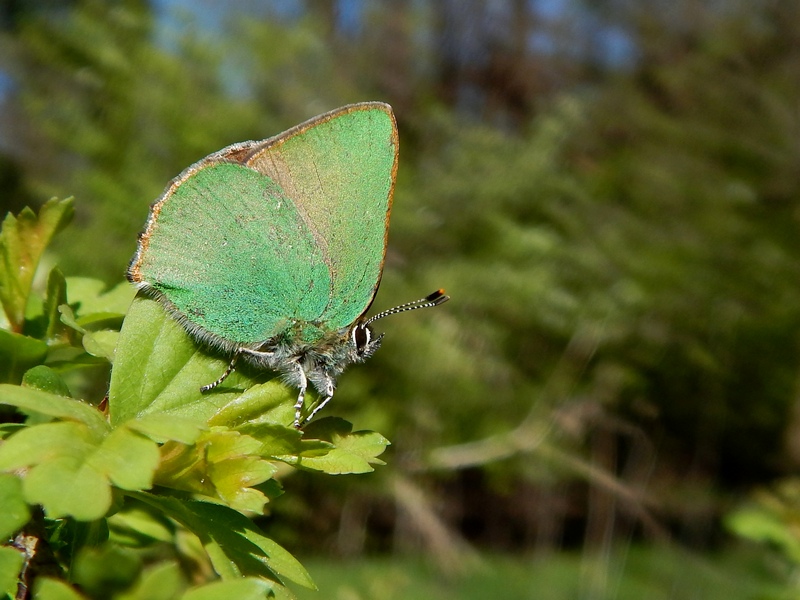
[(53, 589), (763, 525), (223, 443), (41, 443), (54, 406), (222, 465), (160, 582), (162, 428), (247, 588), (68, 318), (89, 297), (71, 466), (136, 526), (101, 343), (68, 487), (18, 353), (56, 296), (234, 544), (159, 369), (105, 569), (15, 512), (234, 479), (276, 440), (352, 452), (270, 402), (45, 379), (11, 561), (128, 459), (23, 240)]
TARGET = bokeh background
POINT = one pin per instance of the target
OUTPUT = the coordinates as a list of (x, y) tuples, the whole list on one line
[(608, 189)]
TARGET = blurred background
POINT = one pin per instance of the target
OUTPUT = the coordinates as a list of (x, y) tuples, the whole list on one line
[(608, 189)]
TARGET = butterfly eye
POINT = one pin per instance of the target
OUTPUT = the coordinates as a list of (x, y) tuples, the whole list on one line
[(361, 337)]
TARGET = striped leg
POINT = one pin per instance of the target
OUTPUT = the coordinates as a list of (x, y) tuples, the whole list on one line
[(223, 377)]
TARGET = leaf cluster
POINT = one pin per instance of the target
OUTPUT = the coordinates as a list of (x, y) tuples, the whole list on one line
[(155, 481)]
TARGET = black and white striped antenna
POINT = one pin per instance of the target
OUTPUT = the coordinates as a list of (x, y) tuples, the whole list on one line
[(435, 299)]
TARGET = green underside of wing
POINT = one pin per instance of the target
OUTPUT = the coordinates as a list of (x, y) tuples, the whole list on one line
[(343, 171), (291, 244), (232, 254)]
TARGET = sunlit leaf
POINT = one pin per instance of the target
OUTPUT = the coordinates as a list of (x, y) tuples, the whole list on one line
[(71, 467), (270, 402), (158, 369), (23, 240), (91, 297), (352, 452)]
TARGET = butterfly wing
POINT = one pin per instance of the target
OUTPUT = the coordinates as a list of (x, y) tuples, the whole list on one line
[(231, 255), (340, 170), (261, 234)]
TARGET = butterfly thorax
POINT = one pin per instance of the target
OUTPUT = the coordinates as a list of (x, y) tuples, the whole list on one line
[(321, 354)]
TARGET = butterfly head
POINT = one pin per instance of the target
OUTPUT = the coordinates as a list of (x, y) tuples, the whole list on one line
[(364, 342)]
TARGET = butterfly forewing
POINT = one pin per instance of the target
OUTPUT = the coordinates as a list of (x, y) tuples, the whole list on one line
[(340, 169)]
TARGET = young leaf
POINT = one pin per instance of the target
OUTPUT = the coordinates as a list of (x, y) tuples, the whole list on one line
[(352, 452), (101, 343), (23, 240), (222, 465), (56, 296), (15, 511)]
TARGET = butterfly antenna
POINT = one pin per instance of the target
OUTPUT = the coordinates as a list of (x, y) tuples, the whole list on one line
[(435, 299)]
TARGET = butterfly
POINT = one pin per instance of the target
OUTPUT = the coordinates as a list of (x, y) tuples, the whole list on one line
[(272, 251)]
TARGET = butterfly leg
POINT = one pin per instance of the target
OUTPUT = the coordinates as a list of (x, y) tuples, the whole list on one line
[(301, 396), (223, 377), (329, 389)]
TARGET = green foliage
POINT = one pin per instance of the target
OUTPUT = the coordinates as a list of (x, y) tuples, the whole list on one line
[(23, 240), (620, 244), (772, 518), (654, 572), (109, 487)]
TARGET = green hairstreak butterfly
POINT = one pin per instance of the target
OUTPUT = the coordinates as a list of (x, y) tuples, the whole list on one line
[(272, 251)]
